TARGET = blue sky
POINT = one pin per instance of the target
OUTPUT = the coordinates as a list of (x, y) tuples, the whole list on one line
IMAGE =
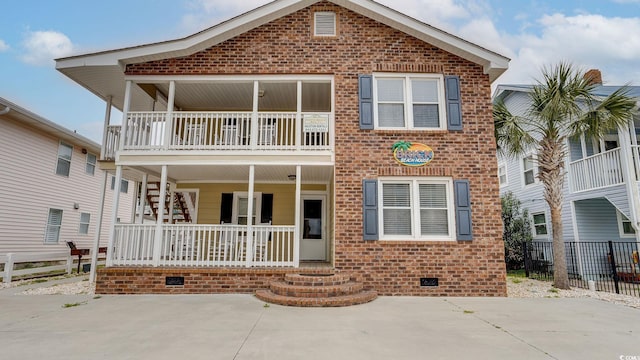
[(602, 34)]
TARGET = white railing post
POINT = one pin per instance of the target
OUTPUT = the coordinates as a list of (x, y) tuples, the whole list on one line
[(8, 268), (114, 210), (298, 126), (157, 245), (254, 128), (69, 268), (143, 198), (296, 231), (168, 124)]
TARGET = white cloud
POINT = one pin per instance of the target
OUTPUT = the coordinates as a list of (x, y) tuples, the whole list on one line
[(3, 46), (41, 47)]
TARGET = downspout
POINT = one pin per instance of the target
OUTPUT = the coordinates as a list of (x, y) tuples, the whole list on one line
[(5, 110)]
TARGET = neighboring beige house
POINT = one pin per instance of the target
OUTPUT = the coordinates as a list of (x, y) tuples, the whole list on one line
[(51, 185)]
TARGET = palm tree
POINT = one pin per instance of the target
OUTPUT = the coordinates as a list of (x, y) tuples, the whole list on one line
[(562, 105)]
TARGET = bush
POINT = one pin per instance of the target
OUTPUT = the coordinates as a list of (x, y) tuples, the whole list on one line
[(516, 231)]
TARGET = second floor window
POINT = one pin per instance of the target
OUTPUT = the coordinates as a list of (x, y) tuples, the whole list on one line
[(528, 167), (63, 167), (409, 102), (502, 174), (91, 164), (124, 185)]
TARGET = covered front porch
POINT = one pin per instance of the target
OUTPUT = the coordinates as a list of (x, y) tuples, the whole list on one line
[(204, 219)]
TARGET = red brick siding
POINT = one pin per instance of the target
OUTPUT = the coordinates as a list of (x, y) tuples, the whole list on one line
[(363, 46)]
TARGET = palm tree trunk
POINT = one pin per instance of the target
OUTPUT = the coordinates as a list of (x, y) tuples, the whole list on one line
[(551, 156)]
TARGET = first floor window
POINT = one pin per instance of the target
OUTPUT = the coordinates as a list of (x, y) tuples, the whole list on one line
[(625, 227), (85, 219), (124, 185), (54, 222), (416, 209), (63, 166), (539, 225), (241, 207)]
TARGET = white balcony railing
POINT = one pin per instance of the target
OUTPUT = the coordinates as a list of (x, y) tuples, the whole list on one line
[(204, 245), (635, 154), (223, 131), (596, 171), (111, 142)]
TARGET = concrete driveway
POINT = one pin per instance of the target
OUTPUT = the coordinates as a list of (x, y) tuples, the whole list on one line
[(241, 327)]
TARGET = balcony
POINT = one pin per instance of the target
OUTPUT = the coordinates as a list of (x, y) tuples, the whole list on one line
[(602, 170), (225, 131)]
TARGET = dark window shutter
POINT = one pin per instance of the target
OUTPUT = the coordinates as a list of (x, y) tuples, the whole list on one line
[(370, 209), (463, 210), (365, 95), (266, 214), (454, 105), (226, 208)]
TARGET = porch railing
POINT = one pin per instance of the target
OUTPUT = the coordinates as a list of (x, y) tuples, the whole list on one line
[(204, 245), (111, 142), (596, 171), (635, 154), (223, 131)]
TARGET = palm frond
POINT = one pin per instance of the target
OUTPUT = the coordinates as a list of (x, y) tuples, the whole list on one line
[(510, 131)]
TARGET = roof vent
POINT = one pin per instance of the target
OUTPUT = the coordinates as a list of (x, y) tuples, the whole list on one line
[(325, 23)]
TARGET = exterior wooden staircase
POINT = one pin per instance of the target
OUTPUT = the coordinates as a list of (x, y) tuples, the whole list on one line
[(180, 209), (317, 290)]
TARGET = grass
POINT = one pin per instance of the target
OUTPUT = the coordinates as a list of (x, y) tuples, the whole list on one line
[(516, 281), (68, 305), (468, 311), (516, 273), (553, 290)]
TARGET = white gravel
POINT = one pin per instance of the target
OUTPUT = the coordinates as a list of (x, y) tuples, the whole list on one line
[(517, 287)]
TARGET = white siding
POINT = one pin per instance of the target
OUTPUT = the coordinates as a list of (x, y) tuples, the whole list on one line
[(29, 186)]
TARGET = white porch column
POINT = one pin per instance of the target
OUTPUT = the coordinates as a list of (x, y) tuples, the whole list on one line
[(143, 197), (296, 232), (125, 114), (254, 128), (250, 205), (298, 137), (626, 159), (96, 239), (168, 128), (114, 213), (157, 243), (107, 120)]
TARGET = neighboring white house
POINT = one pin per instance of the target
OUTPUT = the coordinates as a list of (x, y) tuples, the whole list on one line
[(50, 185), (601, 189)]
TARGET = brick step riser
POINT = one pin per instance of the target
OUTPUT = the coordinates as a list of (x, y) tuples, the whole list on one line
[(310, 292), (304, 280), (347, 300)]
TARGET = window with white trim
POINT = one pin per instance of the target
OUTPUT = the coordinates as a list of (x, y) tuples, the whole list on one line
[(85, 219), (539, 225), (412, 101), (502, 174), (124, 185), (63, 166), (54, 222), (241, 207), (416, 209), (624, 226), (528, 170), (324, 23), (90, 167)]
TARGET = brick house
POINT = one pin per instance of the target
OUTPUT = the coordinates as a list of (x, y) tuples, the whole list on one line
[(304, 114)]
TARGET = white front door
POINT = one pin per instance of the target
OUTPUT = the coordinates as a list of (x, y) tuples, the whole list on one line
[(313, 234)]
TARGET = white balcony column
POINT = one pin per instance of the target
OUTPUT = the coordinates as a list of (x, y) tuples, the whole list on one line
[(254, 128), (114, 213), (107, 120), (296, 232), (298, 127), (143, 197), (96, 239), (168, 127), (157, 243), (250, 206), (125, 115), (628, 172)]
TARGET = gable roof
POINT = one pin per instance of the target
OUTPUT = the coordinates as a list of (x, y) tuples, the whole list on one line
[(30, 119), (102, 72), (504, 90)]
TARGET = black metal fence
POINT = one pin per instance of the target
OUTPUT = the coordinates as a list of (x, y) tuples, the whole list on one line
[(604, 266)]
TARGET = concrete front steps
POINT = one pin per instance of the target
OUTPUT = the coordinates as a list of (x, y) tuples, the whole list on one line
[(317, 290)]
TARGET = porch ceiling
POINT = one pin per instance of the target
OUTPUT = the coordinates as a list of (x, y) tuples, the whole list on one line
[(233, 173)]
